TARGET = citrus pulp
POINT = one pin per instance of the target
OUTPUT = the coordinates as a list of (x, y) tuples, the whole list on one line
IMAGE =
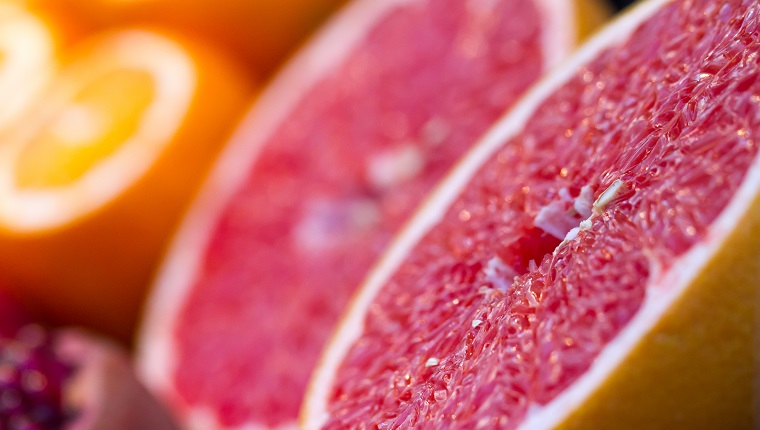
[(334, 156), (591, 263)]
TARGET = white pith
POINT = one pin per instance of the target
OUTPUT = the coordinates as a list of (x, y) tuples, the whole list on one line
[(32, 210), (562, 36), (28, 63), (663, 290), (155, 350)]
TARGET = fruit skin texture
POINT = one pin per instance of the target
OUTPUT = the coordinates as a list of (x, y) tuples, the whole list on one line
[(590, 15), (30, 356), (677, 376), (104, 390), (262, 32), (94, 271)]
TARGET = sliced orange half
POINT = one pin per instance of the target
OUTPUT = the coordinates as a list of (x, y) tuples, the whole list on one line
[(592, 263), (94, 177), (27, 59), (259, 32)]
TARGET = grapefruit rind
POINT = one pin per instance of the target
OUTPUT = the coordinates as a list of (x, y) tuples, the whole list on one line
[(155, 350), (174, 78), (663, 369), (27, 60), (687, 359)]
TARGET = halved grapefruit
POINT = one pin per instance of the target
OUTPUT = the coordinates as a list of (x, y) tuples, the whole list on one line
[(258, 32), (592, 263), (95, 175), (335, 155)]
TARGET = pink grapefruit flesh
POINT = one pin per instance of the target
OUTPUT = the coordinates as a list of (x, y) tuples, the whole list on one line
[(553, 244), (334, 157)]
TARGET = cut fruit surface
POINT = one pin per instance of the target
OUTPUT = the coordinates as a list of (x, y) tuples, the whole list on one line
[(71, 380), (591, 263), (96, 173), (28, 59), (334, 156), (260, 33)]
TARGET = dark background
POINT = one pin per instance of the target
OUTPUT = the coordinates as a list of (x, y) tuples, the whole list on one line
[(619, 4)]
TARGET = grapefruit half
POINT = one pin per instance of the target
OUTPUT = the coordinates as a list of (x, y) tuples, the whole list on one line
[(96, 173), (334, 156), (592, 263)]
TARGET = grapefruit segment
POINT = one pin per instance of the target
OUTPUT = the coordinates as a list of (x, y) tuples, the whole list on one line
[(591, 263), (334, 156), (101, 166)]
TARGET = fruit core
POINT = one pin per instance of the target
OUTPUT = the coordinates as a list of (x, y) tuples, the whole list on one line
[(509, 299), (88, 129)]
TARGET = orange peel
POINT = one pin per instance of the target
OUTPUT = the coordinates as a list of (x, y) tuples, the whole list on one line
[(98, 172), (261, 33)]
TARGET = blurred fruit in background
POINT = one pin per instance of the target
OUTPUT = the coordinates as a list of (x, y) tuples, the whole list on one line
[(28, 50), (102, 391), (258, 32), (95, 175), (73, 380)]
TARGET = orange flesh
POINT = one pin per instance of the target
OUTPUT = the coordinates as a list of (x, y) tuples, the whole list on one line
[(99, 250), (90, 128), (483, 320), (259, 33)]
